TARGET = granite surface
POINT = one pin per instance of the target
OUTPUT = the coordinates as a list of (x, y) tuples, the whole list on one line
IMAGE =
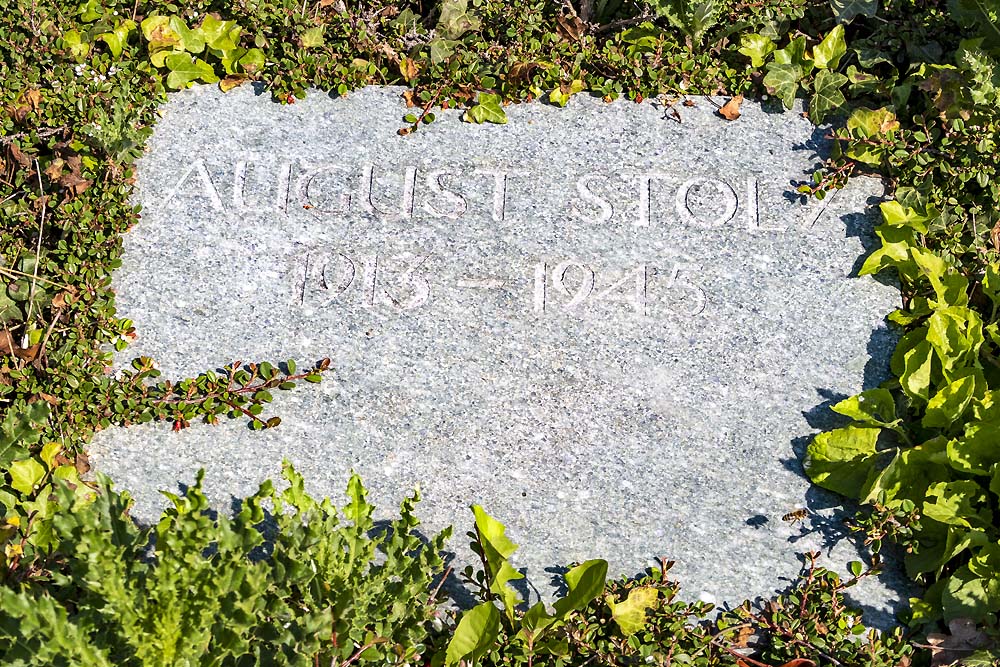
[(613, 329)]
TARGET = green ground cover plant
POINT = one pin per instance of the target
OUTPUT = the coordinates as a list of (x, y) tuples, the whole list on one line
[(912, 89)]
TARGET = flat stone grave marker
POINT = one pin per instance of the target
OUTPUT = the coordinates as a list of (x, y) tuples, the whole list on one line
[(614, 327)]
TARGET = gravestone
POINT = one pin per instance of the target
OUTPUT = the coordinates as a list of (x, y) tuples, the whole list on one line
[(615, 326)]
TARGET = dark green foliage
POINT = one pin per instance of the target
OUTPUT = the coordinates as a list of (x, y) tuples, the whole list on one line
[(914, 88)]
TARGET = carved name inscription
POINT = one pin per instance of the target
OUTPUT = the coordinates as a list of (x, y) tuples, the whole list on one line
[(408, 192)]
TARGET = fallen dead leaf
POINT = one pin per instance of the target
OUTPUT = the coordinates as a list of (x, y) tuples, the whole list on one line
[(688, 102), (964, 638), (570, 27), (48, 398), (9, 345), (408, 97), (731, 109), (18, 156), (521, 72), (408, 68), (82, 463), (232, 81)]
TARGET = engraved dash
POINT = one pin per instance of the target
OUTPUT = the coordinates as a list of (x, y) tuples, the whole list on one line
[(482, 283)]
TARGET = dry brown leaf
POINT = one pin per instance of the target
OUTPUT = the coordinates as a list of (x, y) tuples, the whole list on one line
[(48, 398), (54, 170), (82, 463), (964, 638), (408, 68), (59, 300), (232, 81), (688, 102), (731, 109), (18, 156), (521, 72), (570, 27), (33, 98), (742, 637), (9, 345)]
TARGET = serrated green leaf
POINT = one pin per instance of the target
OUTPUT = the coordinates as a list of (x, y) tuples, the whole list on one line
[(909, 473), (967, 596), (976, 451), (874, 407), (948, 405), (842, 460), (955, 503), (918, 367)]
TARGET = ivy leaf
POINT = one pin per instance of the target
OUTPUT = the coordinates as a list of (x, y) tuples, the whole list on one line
[(756, 47), (454, 20), (26, 475), (782, 80), (630, 615), (846, 10), (794, 54), (90, 11), (220, 36), (117, 38), (867, 123), (441, 49), (826, 95), (313, 37), (184, 69), (827, 54), (237, 61), (77, 45), (191, 41), (560, 96), (897, 215), (486, 110), (842, 460)]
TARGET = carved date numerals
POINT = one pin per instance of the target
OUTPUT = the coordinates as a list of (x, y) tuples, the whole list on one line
[(333, 275), (568, 285)]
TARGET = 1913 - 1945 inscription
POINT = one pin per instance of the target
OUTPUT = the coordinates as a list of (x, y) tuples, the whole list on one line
[(613, 330)]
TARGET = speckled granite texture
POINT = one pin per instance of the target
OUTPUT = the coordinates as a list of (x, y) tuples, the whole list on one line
[(614, 330)]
